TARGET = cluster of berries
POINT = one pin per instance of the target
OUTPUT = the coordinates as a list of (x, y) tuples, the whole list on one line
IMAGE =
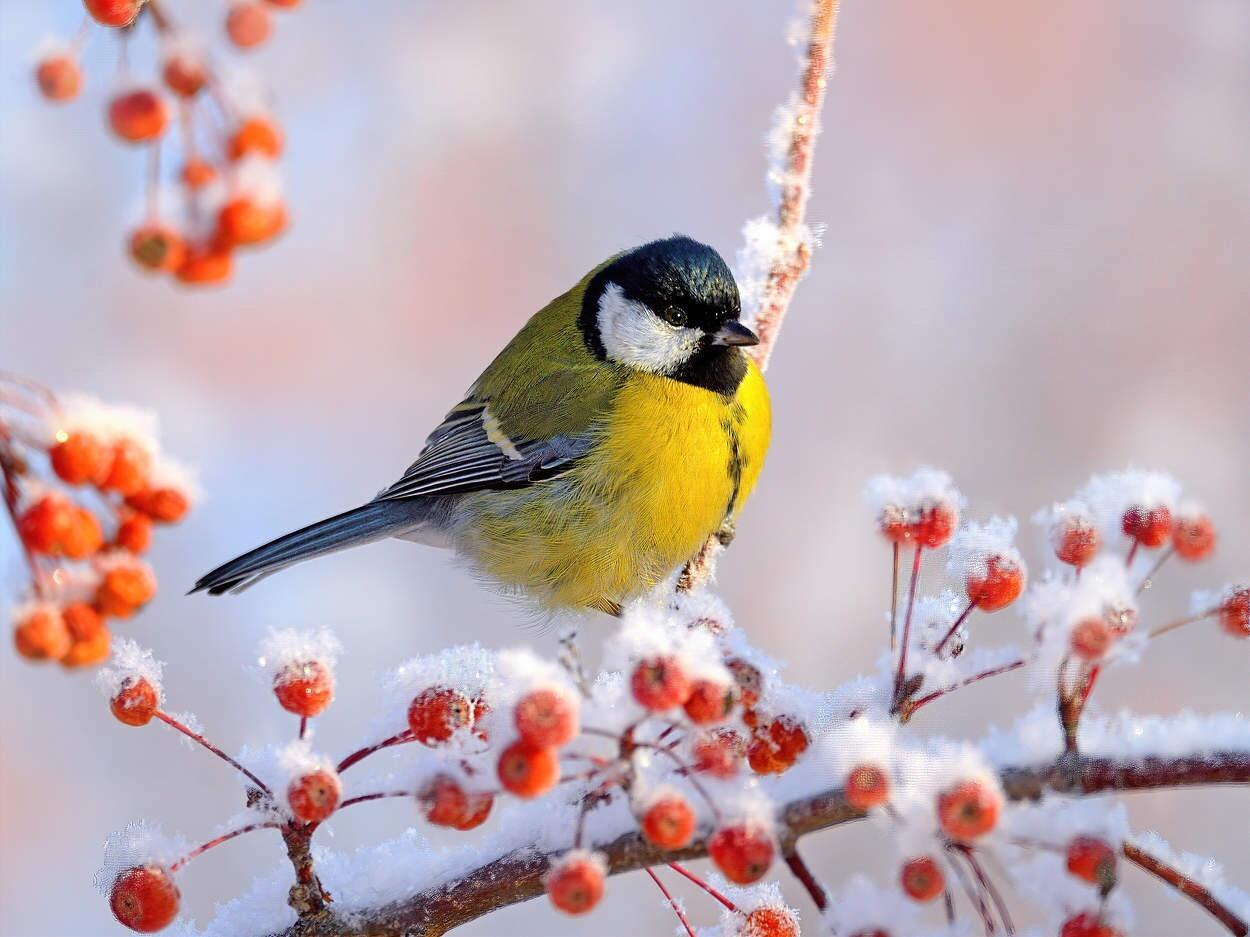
[(83, 538), (229, 193)]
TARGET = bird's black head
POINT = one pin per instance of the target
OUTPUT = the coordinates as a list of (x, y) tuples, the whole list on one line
[(670, 307)]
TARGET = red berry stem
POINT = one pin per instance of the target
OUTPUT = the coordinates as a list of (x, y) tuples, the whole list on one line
[(819, 896), (911, 604), (365, 798), (894, 599), (672, 904), (217, 841), (987, 886), (689, 773), (398, 738), (196, 737), (975, 895), (911, 706), (972, 602), (1090, 679), (1173, 625), (681, 870), (1154, 570), (1132, 554), (1187, 887)]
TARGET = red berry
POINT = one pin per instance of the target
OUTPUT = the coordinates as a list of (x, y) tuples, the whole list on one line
[(1087, 924), (42, 635), (749, 680), (1091, 638), (205, 264), (113, 12), (933, 525), (968, 810), (776, 745), (283, 4), (125, 589), (304, 688), (575, 883), (89, 651), (546, 718), (1235, 613), (248, 24), (134, 533), (446, 803), (922, 879), (80, 458), (435, 714), (668, 821), (144, 898), (82, 535), (1092, 860), (135, 703), (197, 173), (184, 75), (1076, 541), (719, 752), (1151, 527), (157, 247), (996, 585), (315, 795), (83, 621), (43, 524), (244, 222), (710, 702), (866, 787), (1193, 538), (769, 921), (256, 135), (166, 505), (138, 116), (527, 771), (59, 77), (743, 852), (660, 683), (129, 465)]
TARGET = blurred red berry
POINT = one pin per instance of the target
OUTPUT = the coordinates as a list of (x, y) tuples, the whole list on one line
[(668, 821), (710, 702), (248, 24), (128, 468), (257, 135), (574, 884), (1193, 537), (167, 505), (124, 590), (90, 650), (144, 899), (968, 810), (138, 116), (80, 458), (246, 222), (59, 77), (921, 879), (743, 852), (283, 4), (314, 795), (82, 535), (996, 585), (1076, 541), (1087, 924), (1092, 860), (1151, 527), (719, 752), (113, 12), (205, 265), (43, 524), (184, 75), (769, 921), (660, 683), (866, 787), (1091, 638), (546, 718), (135, 703), (932, 525), (42, 635), (304, 688), (528, 771), (436, 713), (1235, 613), (134, 533), (749, 680), (82, 620), (776, 745), (197, 173), (157, 247)]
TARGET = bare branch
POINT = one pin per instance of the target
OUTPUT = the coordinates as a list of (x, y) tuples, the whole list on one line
[(1187, 887)]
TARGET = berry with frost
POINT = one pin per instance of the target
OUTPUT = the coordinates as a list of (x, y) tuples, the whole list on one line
[(436, 713), (742, 851), (574, 883), (135, 702), (710, 702), (546, 718), (1235, 613), (1193, 537), (1088, 924), (660, 683), (1091, 638), (776, 745), (1092, 860), (921, 879), (995, 585), (144, 899), (867, 786), (444, 802), (1150, 527), (43, 524), (42, 635), (968, 810), (125, 589), (528, 771), (668, 821), (749, 680), (769, 921), (80, 458), (1075, 540), (314, 795), (304, 688), (719, 752), (138, 116), (129, 465)]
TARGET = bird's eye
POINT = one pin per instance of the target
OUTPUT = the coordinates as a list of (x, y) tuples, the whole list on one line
[(675, 315)]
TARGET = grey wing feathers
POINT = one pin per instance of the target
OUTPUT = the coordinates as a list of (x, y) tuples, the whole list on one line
[(469, 452)]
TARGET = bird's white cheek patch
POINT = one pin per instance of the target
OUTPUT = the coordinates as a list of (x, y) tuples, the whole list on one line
[(633, 335)]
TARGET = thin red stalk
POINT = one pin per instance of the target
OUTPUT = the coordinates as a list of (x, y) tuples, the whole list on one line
[(672, 903), (975, 895), (819, 896), (1154, 570), (1090, 680), (972, 603), (680, 870), (398, 738), (1132, 554), (967, 681), (1173, 625), (894, 599), (1187, 887), (689, 771), (11, 495), (223, 838), (365, 798), (196, 737), (911, 603), (988, 886)]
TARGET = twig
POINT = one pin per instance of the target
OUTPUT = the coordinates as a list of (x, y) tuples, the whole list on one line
[(729, 905), (672, 903), (909, 707), (1173, 625), (894, 598), (1187, 887), (963, 616), (217, 841), (362, 753), (817, 892), (196, 737), (1154, 570), (901, 674)]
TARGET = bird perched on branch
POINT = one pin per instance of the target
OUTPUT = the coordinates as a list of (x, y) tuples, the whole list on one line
[(617, 431)]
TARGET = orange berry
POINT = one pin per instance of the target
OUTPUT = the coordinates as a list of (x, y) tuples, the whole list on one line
[(996, 585), (743, 852), (244, 222), (1088, 924), (313, 796), (1151, 527), (546, 718), (42, 635), (43, 524), (866, 787), (445, 803), (1075, 540), (136, 702), (82, 535), (128, 469), (59, 77), (1091, 638), (157, 247), (134, 533), (710, 702), (719, 752), (668, 821), (256, 135), (1092, 860), (80, 458), (527, 771), (477, 809), (82, 620), (197, 173), (184, 75), (921, 879), (248, 24), (749, 680), (304, 688), (283, 4), (124, 590), (574, 883), (769, 921), (205, 265), (167, 505), (1235, 613), (89, 651), (968, 810), (932, 525), (144, 898), (436, 713), (138, 116), (660, 683), (1193, 537), (113, 12), (776, 745)]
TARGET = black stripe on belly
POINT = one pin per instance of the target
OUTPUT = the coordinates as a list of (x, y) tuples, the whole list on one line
[(730, 426)]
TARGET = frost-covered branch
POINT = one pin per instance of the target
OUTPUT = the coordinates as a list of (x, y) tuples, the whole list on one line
[(1186, 886)]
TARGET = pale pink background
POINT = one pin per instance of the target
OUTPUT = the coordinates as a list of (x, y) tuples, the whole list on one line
[(1034, 266)]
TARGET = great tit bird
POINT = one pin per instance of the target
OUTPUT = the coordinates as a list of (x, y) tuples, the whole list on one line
[(617, 431)]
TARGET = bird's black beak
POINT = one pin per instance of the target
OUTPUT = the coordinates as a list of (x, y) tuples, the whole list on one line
[(734, 332)]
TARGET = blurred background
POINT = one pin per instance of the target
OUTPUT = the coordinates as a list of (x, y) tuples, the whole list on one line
[(1034, 267)]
